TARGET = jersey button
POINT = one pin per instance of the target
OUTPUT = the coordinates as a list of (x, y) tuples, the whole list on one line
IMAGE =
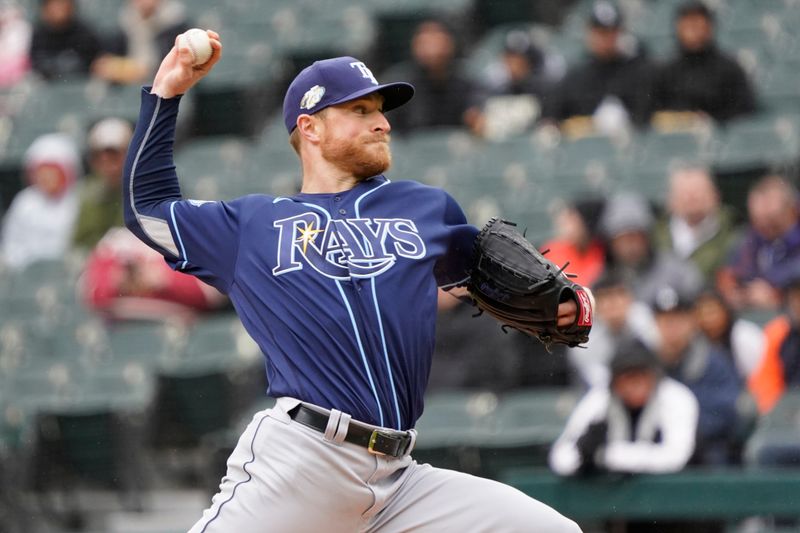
[(337, 198), (342, 211)]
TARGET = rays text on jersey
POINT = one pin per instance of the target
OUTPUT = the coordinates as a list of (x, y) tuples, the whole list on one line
[(345, 248)]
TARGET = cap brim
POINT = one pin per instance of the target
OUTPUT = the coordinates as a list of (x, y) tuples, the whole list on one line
[(394, 94)]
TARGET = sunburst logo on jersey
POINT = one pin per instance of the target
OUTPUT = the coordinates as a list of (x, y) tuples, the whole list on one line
[(307, 235), (312, 97)]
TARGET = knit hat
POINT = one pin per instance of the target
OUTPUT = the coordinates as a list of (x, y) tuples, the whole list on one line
[(626, 212), (110, 133), (55, 149), (632, 354)]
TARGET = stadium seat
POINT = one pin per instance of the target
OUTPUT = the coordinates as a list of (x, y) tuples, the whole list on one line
[(144, 342), (588, 164), (203, 386), (780, 88), (777, 430), (101, 14), (527, 423), (452, 426), (758, 142)]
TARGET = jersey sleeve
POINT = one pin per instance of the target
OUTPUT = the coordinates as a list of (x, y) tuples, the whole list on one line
[(199, 238), (453, 267)]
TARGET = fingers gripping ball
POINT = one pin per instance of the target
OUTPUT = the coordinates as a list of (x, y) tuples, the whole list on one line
[(514, 283), (199, 45)]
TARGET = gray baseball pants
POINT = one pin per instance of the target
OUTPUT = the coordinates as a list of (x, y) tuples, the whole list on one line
[(284, 477)]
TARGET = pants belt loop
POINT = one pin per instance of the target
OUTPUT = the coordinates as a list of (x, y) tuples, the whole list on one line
[(341, 431), (333, 425), (413, 434)]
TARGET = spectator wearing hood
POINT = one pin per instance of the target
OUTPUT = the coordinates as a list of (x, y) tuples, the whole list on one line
[(62, 45), (627, 222), (39, 222), (518, 88), (702, 78), (445, 93), (615, 76)]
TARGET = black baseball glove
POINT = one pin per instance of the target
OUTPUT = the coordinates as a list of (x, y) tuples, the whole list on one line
[(514, 283)]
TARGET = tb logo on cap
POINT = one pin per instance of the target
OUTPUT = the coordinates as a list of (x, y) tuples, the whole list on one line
[(365, 71)]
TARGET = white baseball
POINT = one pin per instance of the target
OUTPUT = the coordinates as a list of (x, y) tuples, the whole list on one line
[(199, 44)]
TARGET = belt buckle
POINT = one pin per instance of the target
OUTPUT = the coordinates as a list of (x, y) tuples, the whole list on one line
[(378, 437)]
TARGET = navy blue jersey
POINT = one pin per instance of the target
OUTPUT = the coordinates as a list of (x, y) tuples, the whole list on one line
[(338, 290)]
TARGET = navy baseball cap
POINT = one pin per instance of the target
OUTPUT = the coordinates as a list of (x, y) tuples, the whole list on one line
[(333, 81)]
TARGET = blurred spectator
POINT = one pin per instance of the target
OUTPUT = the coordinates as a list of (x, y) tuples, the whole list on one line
[(471, 352), (62, 45), (779, 368), (444, 92), (701, 78), (768, 255), (39, 222), (626, 223), (708, 370), (740, 338), (642, 422), (101, 191), (575, 240), (125, 279), (613, 83), (517, 90), (15, 43), (697, 227), (617, 315), (148, 31)]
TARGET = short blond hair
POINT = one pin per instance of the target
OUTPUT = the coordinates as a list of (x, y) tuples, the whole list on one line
[(294, 141), (294, 137)]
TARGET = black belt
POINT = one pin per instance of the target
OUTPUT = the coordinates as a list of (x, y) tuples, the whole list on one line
[(377, 441)]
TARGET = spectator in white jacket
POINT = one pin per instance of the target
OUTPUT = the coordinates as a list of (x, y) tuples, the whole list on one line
[(642, 422), (39, 222)]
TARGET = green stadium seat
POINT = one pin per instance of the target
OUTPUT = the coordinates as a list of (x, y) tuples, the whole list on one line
[(113, 101), (656, 153), (588, 164), (758, 142), (778, 428), (528, 422), (203, 385), (93, 436), (452, 426), (101, 14), (779, 90), (143, 342), (214, 168), (456, 418), (431, 156), (273, 167)]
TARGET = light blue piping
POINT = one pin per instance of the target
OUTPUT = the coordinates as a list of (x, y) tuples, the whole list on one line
[(378, 316), (178, 233)]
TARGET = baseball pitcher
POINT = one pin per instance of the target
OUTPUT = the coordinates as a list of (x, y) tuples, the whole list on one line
[(338, 285)]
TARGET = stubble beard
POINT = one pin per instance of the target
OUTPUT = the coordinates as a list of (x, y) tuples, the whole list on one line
[(359, 158)]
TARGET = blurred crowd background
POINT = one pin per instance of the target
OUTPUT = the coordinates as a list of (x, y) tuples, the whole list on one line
[(651, 147)]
